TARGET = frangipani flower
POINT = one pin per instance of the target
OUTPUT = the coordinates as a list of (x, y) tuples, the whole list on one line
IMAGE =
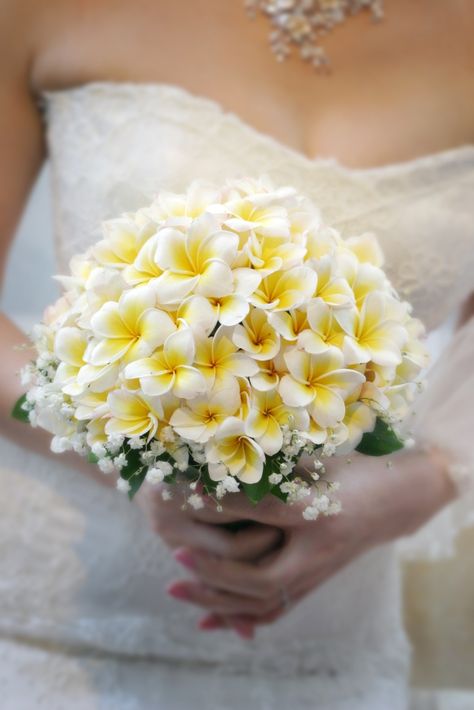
[(289, 324), (200, 419), (256, 336), (232, 309), (197, 260), (331, 286), (122, 243), (239, 453), (323, 330), (129, 329), (69, 346), (170, 369), (269, 254), (145, 267), (217, 359), (284, 290), (132, 414), (320, 383), (268, 413), (269, 374), (370, 335)]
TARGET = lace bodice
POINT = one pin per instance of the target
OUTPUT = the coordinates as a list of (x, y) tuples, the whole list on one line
[(87, 571), (114, 145)]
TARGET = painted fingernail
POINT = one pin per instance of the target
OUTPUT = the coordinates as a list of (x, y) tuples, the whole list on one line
[(244, 631), (209, 623), (185, 558), (177, 591)]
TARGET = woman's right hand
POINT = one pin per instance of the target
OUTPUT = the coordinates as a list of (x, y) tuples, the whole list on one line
[(179, 527)]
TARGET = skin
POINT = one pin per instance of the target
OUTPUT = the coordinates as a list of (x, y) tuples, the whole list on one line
[(404, 91)]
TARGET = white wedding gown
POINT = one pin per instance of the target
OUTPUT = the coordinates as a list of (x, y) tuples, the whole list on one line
[(85, 623)]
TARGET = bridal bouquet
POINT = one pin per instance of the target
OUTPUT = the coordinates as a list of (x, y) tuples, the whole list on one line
[(223, 333)]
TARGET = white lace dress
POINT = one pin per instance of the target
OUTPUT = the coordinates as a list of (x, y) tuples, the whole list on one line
[(84, 620)]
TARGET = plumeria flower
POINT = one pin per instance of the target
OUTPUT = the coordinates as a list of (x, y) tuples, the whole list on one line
[(73, 374), (91, 405), (370, 335), (132, 414), (217, 359), (197, 260), (241, 455), (170, 369), (269, 375), (123, 239), (366, 248), (331, 286), (145, 267), (129, 329), (256, 336), (267, 254), (268, 413), (232, 309), (203, 415), (289, 324), (282, 291), (260, 214), (359, 417), (180, 209), (320, 383), (323, 330), (363, 278)]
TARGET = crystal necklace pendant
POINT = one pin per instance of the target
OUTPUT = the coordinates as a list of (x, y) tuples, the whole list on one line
[(301, 24)]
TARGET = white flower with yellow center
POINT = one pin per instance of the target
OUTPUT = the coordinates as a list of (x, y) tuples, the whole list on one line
[(144, 268), (123, 239), (232, 309), (370, 334), (180, 209), (269, 254), (218, 359), (289, 324), (284, 290), (259, 214), (196, 260), (256, 336), (129, 329), (240, 454), (132, 414), (269, 375), (320, 383), (203, 415), (268, 414), (73, 374), (170, 369), (363, 278), (332, 287), (323, 330)]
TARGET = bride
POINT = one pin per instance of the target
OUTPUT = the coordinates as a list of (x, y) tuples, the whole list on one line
[(107, 604)]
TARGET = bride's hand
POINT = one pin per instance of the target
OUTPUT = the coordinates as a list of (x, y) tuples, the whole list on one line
[(379, 504), (181, 528)]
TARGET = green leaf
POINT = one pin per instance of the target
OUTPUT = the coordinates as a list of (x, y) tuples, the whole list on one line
[(19, 413), (136, 481), (134, 472), (92, 458), (381, 441), (256, 491)]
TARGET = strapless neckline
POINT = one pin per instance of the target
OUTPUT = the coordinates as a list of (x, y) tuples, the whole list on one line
[(440, 158)]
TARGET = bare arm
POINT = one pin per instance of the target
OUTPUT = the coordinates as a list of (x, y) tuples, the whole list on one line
[(22, 149)]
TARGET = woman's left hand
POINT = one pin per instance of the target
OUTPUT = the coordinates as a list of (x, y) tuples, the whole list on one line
[(380, 502)]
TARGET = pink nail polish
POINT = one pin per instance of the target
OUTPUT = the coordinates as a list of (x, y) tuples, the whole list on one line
[(185, 558), (208, 624), (177, 591), (244, 631)]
